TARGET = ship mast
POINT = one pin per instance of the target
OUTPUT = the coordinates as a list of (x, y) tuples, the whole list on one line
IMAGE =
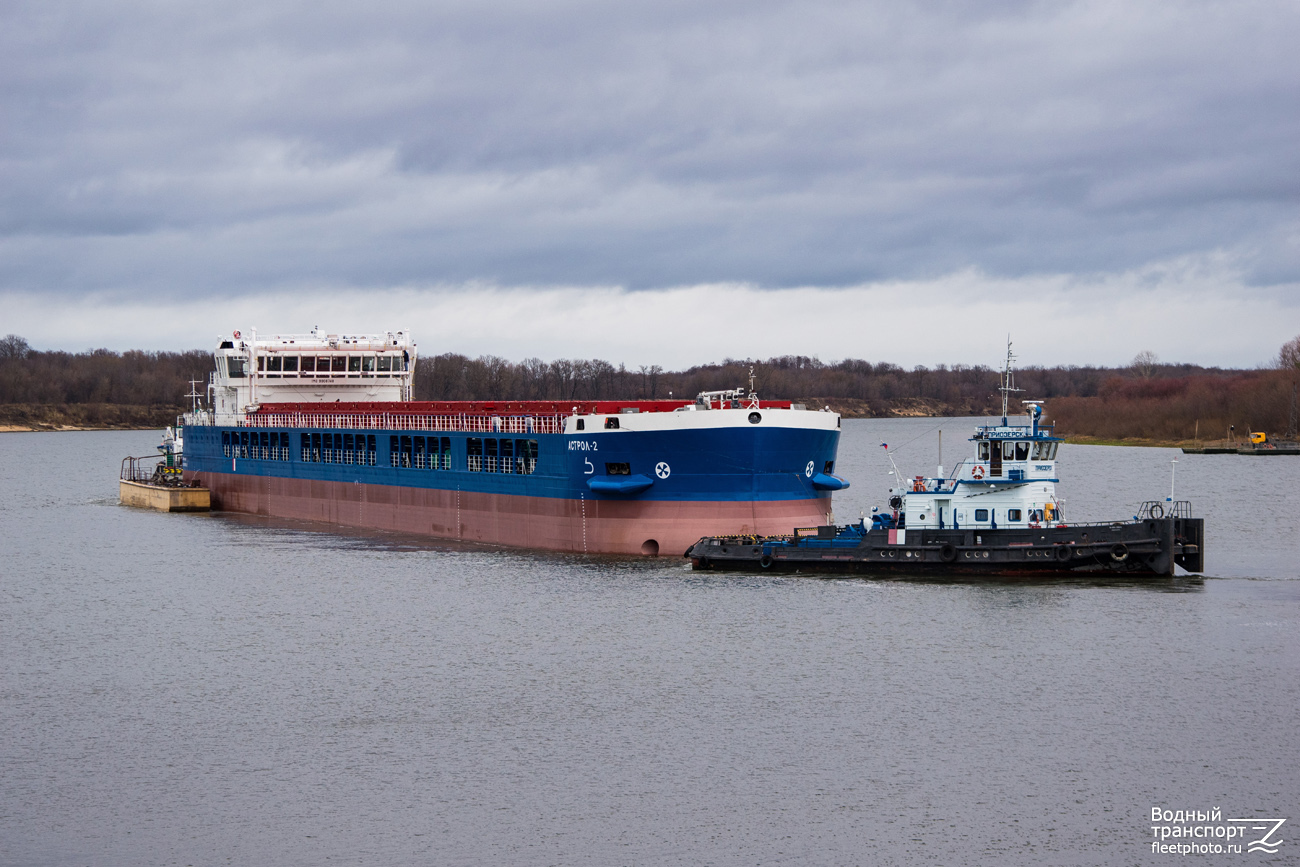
[(1007, 386)]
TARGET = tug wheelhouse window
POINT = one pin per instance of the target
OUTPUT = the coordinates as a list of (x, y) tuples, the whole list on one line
[(1022, 451), (984, 451)]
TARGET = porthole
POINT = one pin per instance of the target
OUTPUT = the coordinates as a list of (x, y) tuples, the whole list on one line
[(755, 418)]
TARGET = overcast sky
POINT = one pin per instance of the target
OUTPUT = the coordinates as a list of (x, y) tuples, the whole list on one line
[(667, 182)]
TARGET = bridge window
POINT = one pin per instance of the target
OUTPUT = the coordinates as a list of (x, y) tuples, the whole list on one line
[(309, 364), (237, 368), (368, 365), (291, 364), (354, 364), (274, 364), (338, 363), (385, 363)]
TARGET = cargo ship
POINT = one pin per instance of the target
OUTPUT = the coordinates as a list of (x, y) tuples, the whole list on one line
[(996, 515), (323, 427)]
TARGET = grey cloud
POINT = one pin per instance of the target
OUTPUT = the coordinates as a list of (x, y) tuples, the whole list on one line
[(229, 148)]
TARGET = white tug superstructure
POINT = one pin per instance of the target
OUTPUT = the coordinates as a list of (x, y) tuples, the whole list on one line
[(1009, 482), (309, 368)]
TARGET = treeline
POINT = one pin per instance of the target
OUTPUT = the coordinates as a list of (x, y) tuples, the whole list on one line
[(1184, 408), (1145, 400), (98, 376)]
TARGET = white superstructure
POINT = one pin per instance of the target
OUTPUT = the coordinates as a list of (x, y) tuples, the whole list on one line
[(309, 368), (1009, 482)]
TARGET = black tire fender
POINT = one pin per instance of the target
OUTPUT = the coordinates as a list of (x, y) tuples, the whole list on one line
[(765, 561), (1063, 553), (947, 553), (1119, 552)]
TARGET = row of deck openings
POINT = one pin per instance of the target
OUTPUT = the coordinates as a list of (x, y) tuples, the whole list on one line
[(482, 454)]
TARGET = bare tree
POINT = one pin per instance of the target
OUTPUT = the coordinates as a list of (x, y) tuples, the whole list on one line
[(1288, 357), (1144, 363), (13, 346)]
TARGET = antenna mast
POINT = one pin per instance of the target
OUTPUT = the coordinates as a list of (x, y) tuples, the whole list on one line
[(1007, 386)]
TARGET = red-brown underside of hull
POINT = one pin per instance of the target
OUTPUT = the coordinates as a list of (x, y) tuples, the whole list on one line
[(586, 526)]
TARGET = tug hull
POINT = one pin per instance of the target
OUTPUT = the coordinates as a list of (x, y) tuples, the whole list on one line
[(1149, 547)]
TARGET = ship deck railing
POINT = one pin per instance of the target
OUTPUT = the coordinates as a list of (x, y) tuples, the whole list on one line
[(152, 469), (462, 422)]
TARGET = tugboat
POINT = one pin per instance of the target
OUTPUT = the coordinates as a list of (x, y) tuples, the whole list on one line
[(997, 514)]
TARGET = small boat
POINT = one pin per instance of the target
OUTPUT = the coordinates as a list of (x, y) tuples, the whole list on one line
[(996, 514)]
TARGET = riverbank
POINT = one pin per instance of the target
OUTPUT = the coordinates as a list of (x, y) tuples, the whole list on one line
[(26, 417)]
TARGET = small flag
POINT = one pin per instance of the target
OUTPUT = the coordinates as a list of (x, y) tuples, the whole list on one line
[(884, 445)]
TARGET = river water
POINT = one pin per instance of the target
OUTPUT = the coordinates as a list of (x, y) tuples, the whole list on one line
[(182, 689)]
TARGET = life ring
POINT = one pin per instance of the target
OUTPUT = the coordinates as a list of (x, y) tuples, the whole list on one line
[(1157, 511), (236, 335), (978, 472), (1062, 553), (918, 485), (947, 553), (1119, 552), (765, 561)]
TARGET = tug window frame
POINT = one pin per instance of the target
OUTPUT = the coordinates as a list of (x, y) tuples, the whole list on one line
[(981, 515), (1022, 450), (984, 450)]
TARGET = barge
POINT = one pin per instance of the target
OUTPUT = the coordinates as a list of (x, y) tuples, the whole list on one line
[(323, 427)]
